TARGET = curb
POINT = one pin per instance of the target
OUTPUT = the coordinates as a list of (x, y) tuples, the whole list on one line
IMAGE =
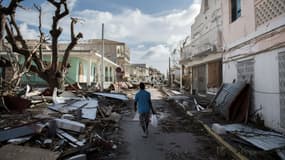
[(220, 140)]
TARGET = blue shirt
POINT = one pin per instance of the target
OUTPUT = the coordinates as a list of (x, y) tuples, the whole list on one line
[(143, 101)]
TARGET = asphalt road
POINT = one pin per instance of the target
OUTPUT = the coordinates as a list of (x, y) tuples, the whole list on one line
[(173, 139)]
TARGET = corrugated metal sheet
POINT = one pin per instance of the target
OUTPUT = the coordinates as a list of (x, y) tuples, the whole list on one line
[(265, 140), (226, 96), (113, 95)]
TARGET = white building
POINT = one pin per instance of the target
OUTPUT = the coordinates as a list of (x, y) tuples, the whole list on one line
[(201, 59), (139, 73)]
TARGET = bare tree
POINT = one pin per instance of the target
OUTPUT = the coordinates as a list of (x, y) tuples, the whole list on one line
[(53, 74)]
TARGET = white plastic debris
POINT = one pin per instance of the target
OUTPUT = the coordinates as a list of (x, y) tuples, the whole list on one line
[(56, 99), (153, 121), (136, 117), (218, 128)]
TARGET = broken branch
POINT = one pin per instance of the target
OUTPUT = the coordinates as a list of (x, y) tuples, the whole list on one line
[(40, 30), (74, 40)]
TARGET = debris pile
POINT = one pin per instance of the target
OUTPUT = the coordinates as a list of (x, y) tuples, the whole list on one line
[(253, 142), (227, 118), (70, 125)]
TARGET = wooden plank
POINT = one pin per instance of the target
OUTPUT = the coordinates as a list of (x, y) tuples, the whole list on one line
[(220, 140)]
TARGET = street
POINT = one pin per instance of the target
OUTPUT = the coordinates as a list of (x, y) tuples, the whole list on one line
[(175, 138), (70, 70)]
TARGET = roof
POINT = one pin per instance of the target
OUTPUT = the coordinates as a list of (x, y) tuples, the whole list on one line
[(99, 41)]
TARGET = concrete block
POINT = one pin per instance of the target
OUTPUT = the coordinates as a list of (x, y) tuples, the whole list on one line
[(70, 125)]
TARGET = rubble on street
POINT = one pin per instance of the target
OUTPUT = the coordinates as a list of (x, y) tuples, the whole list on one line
[(73, 124), (226, 118), (79, 124)]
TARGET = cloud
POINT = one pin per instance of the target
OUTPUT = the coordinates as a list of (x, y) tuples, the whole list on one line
[(140, 46), (30, 16), (155, 56), (161, 32), (28, 33)]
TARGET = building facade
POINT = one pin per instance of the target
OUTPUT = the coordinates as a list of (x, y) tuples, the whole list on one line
[(85, 68), (117, 52), (201, 59), (155, 75), (139, 73), (85, 65), (254, 35)]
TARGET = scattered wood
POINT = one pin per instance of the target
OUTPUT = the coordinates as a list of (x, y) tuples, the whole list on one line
[(20, 131)]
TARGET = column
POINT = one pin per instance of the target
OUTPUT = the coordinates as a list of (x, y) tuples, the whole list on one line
[(89, 73)]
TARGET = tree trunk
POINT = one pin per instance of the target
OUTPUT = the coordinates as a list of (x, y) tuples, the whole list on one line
[(54, 80)]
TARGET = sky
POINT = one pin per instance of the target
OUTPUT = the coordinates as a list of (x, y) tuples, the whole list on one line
[(150, 28)]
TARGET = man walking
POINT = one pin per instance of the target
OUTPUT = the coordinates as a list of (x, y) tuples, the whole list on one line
[(144, 105)]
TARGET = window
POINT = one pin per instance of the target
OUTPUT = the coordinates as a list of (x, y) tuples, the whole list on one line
[(106, 74), (81, 72), (80, 69), (236, 9), (94, 74)]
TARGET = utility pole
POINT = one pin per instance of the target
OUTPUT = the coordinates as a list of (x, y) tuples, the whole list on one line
[(181, 76), (169, 73), (102, 60)]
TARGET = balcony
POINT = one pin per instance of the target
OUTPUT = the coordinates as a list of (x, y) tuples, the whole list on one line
[(194, 51), (203, 50)]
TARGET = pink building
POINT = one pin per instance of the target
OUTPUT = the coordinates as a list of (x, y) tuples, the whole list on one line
[(254, 45)]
